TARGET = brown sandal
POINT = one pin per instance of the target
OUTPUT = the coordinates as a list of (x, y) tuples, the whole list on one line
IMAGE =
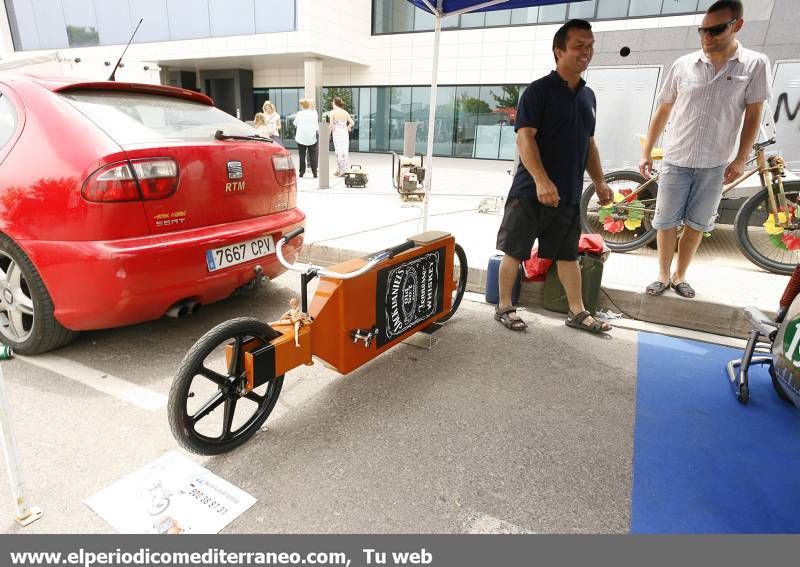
[(576, 322), (502, 315)]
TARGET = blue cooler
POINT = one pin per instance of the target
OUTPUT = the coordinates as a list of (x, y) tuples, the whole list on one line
[(492, 290)]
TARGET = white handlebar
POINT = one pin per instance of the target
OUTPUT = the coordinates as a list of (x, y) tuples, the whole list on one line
[(300, 267)]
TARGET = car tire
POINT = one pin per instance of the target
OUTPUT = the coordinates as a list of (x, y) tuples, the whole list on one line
[(27, 323)]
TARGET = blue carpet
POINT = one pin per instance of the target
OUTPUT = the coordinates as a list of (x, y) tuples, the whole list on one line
[(704, 463)]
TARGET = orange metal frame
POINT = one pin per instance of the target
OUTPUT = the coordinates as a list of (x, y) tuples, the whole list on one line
[(341, 306)]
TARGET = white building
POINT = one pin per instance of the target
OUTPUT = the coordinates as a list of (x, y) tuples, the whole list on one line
[(377, 55)]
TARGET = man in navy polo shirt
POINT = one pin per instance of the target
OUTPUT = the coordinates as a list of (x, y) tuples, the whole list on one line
[(555, 139)]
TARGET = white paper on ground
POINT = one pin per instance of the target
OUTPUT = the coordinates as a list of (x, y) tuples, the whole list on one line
[(170, 495)]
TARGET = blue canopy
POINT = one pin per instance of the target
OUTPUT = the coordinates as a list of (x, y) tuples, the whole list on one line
[(448, 7)]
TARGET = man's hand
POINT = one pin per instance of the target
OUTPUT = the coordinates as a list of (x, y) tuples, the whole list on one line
[(646, 165), (547, 193), (734, 170), (604, 193)]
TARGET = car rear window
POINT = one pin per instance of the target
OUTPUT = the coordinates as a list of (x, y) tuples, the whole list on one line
[(135, 118)]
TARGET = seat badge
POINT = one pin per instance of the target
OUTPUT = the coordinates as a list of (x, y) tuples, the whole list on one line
[(235, 170)]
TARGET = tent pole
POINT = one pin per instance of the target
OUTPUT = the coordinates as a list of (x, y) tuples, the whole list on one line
[(431, 121)]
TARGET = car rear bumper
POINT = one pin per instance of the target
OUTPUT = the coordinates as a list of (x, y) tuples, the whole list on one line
[(102, 284)]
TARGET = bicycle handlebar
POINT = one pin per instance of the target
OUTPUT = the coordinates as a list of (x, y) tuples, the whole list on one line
[(373, 261)]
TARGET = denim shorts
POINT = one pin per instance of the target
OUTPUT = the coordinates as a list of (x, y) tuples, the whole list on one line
[(688, 195)]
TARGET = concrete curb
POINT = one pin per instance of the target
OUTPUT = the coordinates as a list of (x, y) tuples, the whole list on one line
[(698, 314)]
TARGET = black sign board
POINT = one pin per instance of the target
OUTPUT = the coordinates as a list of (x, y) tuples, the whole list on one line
[(408, 294)]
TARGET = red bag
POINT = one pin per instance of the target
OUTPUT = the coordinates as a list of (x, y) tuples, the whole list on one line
[(534, 269)]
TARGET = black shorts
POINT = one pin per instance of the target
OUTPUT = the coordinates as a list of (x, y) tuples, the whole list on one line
[(557, 228)]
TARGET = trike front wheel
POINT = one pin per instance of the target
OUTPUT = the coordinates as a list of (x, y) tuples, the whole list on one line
[(210, 410), (624, 226), (760, 237), (460, 273)]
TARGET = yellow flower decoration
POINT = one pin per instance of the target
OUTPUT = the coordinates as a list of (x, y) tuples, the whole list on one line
[(771, 227), (633, 224)]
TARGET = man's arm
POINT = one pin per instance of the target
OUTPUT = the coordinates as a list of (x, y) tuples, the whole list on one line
[(752, 120), (657, 124), (595, 168), (528, 149)]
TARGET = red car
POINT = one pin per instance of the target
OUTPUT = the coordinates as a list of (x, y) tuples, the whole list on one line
[(120, 203)]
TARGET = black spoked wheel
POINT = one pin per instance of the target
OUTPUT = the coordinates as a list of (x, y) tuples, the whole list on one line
[(460, 273), (759, 238), (624, 226), (209, 410)]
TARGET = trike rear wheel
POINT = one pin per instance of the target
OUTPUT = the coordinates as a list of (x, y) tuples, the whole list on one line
[(764, 243), (623, 226), (460, 273), (209, 410)]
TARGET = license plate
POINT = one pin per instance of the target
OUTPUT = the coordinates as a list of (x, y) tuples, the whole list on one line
[(233, 254)]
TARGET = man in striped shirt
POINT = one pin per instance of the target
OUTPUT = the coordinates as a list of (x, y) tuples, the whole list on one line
[(705, 94)]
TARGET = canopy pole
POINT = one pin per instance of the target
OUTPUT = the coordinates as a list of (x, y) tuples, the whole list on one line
[(431, 120)]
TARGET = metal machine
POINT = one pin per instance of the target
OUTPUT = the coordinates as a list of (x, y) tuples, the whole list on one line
[(408, 176)]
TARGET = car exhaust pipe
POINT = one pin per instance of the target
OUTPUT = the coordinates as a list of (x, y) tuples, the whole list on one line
[(183, 309)]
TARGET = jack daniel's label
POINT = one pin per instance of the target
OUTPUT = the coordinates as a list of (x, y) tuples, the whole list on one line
[(409, 293)]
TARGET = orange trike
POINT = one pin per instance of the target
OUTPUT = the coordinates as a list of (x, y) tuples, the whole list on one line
[(229, 381)]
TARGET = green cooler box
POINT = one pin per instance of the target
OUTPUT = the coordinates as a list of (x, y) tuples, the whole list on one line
[(555, 299)]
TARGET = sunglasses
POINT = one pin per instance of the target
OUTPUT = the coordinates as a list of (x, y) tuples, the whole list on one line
[(714, 31)]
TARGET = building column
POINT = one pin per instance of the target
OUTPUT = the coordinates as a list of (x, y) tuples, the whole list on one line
[(313, 81)]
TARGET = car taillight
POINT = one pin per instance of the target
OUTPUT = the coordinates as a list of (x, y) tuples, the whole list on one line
[(284, 169), (143, 179)]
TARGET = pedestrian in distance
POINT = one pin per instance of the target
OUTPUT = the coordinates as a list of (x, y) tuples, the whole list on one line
[(306, 124), (268, 122), (341, 126), (703, 98), (555, 138)]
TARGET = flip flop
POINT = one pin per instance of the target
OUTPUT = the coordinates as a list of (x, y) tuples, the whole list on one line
[(502, 315), (657, 288), (576, 322), (683, 289)]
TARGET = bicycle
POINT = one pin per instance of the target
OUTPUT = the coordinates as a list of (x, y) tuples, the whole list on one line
[(775, 343), (767, 225), (360, 309)]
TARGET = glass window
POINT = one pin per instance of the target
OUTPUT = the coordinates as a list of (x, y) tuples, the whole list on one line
[(287, 106), (612, 8), (188, 19), (703, 5), (8, 120), (443, 125), (363, 119), (400, 114), (114, 22), (476, 20), (231, 17), (23, 24), (81, 22), (379, 119), (133, 118), (50, 27), (498, 18), (468, 105), (582, 10), (274, 15), (423, 21), (450, 22), (154, 25), (555, 13), (645, 7), (679, 6), (524, 15)]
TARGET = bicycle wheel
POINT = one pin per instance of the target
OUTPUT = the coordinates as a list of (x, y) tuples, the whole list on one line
[(460, 273), (767, 246), (623, 226), (206, 382)]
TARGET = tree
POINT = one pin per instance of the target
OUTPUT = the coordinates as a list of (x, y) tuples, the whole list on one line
[(508, 98)]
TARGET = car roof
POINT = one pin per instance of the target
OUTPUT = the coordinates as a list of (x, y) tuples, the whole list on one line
[(71, 84)]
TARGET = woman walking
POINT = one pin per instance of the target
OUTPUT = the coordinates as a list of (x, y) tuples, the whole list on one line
[(268, 123), (341, 125), (306, 123)]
